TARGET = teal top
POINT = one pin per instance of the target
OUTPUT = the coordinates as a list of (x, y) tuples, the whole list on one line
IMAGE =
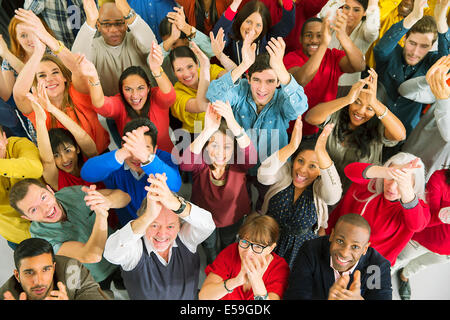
[(77, 227)]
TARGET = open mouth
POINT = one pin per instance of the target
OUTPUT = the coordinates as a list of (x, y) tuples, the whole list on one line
[(52, 213), (136, 102), (52, 86), (341, 261), (300, 179), (39, 291), (358, 117)]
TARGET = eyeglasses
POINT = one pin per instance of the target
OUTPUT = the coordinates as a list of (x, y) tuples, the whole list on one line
[(257, 248), (109, 25)]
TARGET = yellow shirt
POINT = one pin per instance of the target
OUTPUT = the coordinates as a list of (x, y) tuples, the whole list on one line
[(388, 17), (184, 94), (22, 161)]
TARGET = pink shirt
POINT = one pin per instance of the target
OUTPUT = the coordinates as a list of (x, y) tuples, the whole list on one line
[(323, 87), (338, 275)]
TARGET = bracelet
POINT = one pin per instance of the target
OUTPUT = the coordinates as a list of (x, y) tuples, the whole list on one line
[(161, 70), (94, 84), (384, 114), (61, 47), (131, 14), (240, 135), (225, 286)]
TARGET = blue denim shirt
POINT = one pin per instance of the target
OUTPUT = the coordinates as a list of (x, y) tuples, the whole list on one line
[(393, 70), (153, 11), (268, 128)]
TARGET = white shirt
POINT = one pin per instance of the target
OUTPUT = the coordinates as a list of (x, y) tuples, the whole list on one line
[(124, 247)]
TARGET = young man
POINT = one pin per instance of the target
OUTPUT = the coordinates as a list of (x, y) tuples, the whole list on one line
[(128, 168), (40, 275), (341, 266), (264, 102), (317, 68), (396, 64), (158, 255), (73, 220), (19, 159)]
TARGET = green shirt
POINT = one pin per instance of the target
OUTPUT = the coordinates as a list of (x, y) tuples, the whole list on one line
[(77, 227)]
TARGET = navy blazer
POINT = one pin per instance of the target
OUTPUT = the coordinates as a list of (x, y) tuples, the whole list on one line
[(312, 277)]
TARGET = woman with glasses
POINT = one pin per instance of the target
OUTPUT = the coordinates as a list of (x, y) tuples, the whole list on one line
[(249, 269)]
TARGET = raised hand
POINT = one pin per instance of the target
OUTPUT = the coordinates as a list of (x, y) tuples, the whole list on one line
[(437, 77), (355, 90), (160, 192), (8, 296), (371, 82), (136, 145), (224, 109), (218, 42), (32, 20), (340, 26), (155, 58), (96, 201), (212, 119), (201, 57), (91, 11), (249, 49), (297, 133), (60, 294), (325, 32), (85, 67), (178, 18)]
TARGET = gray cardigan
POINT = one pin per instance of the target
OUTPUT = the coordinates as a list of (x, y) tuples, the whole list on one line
[(327, 188)]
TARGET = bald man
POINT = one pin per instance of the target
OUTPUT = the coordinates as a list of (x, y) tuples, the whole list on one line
[(125, 41), (341, 266), (158, 255)]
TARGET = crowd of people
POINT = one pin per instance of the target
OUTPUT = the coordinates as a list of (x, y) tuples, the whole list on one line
[(314, 136)]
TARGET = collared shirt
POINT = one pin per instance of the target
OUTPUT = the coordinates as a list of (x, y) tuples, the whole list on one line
[(125, 247), (337, 274), (393, 70), (62, 19), (267, 129)]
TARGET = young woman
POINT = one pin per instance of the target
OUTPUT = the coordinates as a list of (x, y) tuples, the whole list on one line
[(363, 125), (194, 73), (252, 20), (22, 47), (221, 174), (65, 80), (204, 14), (432, 245), (62, 151), (392, 200), (362, 26), (249, 269), (138, 99), (300, 190)]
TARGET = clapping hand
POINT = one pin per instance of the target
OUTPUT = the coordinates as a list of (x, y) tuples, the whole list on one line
[(96, 201), (218, 42)]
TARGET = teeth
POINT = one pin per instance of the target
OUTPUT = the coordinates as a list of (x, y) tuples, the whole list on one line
[(343, 261)]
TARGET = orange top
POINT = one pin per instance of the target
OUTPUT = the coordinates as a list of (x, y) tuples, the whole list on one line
[(84, 115)]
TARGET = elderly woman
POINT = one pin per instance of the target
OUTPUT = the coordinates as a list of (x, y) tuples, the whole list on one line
[(391, 198), (248, 269), (300, 190)]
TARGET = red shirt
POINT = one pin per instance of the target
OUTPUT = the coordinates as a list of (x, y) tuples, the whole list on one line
[(436, 236), (304, 9), (227, 203), (82, 114), (323, 87), (228, 264), (158, 113), (392, 225)]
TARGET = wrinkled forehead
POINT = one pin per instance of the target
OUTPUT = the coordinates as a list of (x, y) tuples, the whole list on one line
[(167, 217)]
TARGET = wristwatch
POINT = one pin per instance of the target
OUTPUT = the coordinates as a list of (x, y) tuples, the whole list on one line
[(130, 15), (182, 202), (149, 160), (261, 297), (192, 35)]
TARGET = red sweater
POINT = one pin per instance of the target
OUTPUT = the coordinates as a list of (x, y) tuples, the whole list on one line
[(392, 224), (227, 203), (436, 236), (158, 113)]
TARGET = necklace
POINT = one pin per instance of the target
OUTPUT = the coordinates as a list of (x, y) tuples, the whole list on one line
[(206, 14)]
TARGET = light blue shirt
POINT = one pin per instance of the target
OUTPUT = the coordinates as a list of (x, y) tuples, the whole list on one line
[(268, 128)]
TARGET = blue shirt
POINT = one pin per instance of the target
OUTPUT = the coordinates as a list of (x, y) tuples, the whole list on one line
[(153, 11), (268, 128), (393, 70), (114, 175)]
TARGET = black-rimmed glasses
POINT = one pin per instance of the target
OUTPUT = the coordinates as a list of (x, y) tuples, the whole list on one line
[(257, 248)]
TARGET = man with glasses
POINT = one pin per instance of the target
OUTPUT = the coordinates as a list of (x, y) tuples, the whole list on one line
[(249, 269), (341, 266)]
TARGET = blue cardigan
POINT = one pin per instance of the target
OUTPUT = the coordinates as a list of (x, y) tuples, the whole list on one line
[(312, 277), (113, 174)]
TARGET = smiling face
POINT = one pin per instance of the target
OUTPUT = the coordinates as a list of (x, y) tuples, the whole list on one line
[(405, 7), (305, 169), (220, 149), (252, 22), (111, 24), (347, 244), (40, 205), (417, 45), (55, 82), (360, 111), (163, 231), (354, 11), (35, 275), (186, 71), (263, 85), (311, 37), (135, 90), (66, 157)]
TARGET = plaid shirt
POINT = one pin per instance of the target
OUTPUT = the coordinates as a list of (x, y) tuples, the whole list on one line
[(64, 18)]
